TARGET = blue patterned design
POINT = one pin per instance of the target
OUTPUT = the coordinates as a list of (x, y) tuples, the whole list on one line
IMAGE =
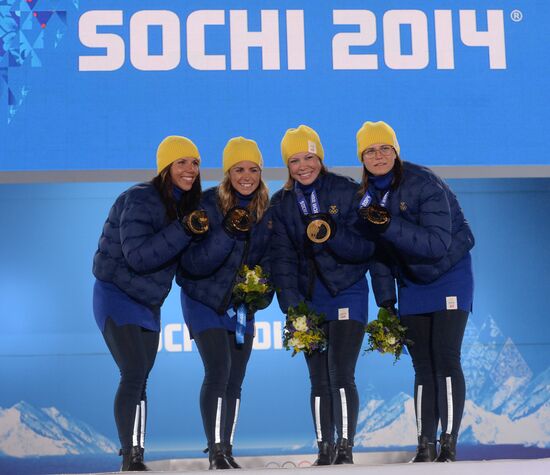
[(26, 28)]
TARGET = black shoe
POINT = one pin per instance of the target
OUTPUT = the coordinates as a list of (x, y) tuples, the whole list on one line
[(229, 457), (447, 450), (425, 452), (326, 453), (132, 460), (216, 457), (343, 452)]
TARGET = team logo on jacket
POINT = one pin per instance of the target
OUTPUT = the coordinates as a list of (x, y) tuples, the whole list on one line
[(333, 209), (270, 224), (403, 206)]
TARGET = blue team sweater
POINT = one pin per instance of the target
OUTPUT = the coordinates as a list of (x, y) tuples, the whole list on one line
[(303, 271), (208, 268), (425, 248), (136, 259)]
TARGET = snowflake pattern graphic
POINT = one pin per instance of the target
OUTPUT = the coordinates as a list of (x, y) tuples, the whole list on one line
[(27, 27)]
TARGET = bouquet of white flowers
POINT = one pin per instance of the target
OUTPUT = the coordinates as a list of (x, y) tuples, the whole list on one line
[(303, 331), (386, 334)]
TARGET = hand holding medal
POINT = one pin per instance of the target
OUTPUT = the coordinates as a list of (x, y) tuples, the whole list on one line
[(196, 222), (376, 215), (237, 221)]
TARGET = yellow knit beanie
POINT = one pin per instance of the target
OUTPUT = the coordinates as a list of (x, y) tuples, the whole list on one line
[(375, 132), (173, 148), (240, 149), (301, 139)]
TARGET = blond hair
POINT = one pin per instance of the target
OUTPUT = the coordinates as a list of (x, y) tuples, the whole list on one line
[(227, 198)]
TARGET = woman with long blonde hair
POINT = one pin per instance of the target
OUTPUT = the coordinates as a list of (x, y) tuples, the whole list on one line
[(240, 229)]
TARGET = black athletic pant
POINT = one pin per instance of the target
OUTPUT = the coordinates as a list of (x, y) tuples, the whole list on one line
[(134, 350), (334, 398), (439, 388), (224, 370)]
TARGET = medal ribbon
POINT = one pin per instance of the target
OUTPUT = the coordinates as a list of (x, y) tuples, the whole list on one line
[(241, 322), (366, 201), (302, 202)]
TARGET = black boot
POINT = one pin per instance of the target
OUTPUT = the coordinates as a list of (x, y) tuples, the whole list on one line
[(425, 452), (132, 460), (216, 456), (326, 453), (229, 457), (343, 452), (447, 449)]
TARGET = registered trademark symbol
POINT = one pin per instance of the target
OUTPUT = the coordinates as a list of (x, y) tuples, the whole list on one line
[(516, 15)]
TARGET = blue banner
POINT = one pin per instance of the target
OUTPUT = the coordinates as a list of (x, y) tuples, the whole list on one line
[(93, 85)]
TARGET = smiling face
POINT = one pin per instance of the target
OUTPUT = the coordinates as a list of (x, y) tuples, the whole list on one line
[(245, 177), (183, 172), (379, 158), (304, 167)]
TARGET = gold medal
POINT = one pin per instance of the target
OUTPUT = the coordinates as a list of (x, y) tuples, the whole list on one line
[(377, 215), (240, 219), (197, 222), (318, 230)]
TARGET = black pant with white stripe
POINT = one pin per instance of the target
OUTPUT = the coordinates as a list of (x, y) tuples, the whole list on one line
[(134, 350), (334, 398), (439, 387), (224, 370)]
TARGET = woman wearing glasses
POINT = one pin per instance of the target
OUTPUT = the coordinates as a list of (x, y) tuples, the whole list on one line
[(423, 245), (319, 259)]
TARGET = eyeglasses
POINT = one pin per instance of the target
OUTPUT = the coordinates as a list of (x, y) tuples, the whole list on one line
[(385, 150)]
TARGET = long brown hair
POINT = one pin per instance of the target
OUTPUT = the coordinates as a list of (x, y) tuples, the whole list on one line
[(397, 174), (189, 200), (227, 198)]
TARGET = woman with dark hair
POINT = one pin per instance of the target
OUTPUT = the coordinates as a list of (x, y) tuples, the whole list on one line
[(423, 245), (318, 258), (240, 229), (147, 228)]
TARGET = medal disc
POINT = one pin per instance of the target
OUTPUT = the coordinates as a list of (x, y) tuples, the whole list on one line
[(197, 222), (318, 231), (377, 215), (240, 219)]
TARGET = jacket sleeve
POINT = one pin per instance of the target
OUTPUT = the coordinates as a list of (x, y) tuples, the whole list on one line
[(265, 264), (383, 282), (284, 262), (145, 249), (348, 244), (203, 257), (431, 237)]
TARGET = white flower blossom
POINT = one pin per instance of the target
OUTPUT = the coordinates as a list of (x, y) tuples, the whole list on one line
[(300, 323), (251, 277)]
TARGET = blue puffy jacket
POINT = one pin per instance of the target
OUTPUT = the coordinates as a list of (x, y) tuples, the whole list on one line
[(296, 262), (138, 248), (428, 233), (209, 267)]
